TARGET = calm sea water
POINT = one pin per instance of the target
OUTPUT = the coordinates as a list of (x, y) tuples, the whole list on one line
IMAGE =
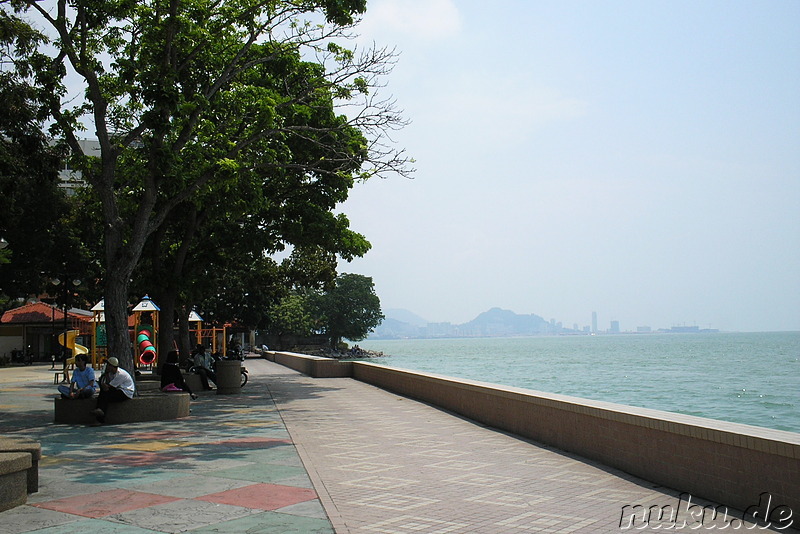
[(739, 377)]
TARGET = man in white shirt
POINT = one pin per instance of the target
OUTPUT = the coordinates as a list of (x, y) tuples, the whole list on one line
[(116, 385)]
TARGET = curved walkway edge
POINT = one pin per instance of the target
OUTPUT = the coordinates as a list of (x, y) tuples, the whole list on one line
[(384, 463)]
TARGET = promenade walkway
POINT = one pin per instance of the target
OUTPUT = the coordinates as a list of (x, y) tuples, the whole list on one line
[(296, 454)]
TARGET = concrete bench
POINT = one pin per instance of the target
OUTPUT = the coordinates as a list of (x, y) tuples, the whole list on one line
[(30, 447), (148, 386), (155, 406), (13, 479)]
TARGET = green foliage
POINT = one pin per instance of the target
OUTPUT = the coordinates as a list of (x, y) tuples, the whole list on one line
[(349, 309), (34, 209), (215, 134), (283, 199), (291, 316)]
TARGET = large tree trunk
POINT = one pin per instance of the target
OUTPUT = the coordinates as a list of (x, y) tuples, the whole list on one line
[(169, 287), (186, 341), (121, 260), (166, 319), (116, 312)]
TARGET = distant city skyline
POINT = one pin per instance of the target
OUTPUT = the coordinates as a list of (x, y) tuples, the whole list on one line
[(613, 326)]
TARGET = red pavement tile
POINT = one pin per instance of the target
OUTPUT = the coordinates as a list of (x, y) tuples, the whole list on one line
[(262, 496), (105, 503)]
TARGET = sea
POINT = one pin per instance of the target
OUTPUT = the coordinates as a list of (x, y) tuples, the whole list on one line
[(750, 378)]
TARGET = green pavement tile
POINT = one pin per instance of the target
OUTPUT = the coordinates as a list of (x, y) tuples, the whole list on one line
[(270, 523), (180, 516), (95, 526), (123, 478), (300, 481), (311, 508), (31, 519), (279, 455), (267, 473)]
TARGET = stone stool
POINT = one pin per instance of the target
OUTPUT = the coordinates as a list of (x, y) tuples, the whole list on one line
[(13, 479), (33, 448)]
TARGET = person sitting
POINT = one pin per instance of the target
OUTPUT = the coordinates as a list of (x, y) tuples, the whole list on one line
[(204, 366), (171, 375), (116, 385), (82, 385)]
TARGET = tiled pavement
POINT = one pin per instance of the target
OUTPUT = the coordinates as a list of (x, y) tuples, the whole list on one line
[(383, 463), (229, 467), (376, 462)]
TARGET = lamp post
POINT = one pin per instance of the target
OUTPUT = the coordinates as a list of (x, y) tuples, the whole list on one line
[(65, 284), (3, 245)]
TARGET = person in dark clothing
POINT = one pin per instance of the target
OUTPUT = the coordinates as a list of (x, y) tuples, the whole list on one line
[(171, 374), (204, 366), (116, 385)]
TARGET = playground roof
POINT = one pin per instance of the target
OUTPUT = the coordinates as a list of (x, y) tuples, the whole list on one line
[(40, 312)]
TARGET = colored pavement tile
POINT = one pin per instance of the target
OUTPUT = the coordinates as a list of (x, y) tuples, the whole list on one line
[(229, 467), (262, 496), (270, 523), (150, 446), (267, 473), (137, 459), (105, 503)]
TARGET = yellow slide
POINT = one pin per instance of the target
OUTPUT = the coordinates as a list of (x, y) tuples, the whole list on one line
[(76, 348)]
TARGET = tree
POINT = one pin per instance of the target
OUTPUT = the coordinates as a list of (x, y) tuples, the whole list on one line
[(291, 316), (160, 80), (34, 208), (349, 309), (291, 204)]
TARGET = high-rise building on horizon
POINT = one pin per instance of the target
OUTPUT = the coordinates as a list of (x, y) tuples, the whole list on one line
[(594, 322)]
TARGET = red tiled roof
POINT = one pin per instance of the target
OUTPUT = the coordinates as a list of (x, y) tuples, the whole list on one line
[(38, 312)]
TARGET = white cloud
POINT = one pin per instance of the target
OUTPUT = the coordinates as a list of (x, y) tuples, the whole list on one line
[(421, 19)]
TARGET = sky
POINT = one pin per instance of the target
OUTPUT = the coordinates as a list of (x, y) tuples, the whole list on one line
[(636, 159)]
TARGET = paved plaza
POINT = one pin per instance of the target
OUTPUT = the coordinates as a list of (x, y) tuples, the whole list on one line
[(296, 454)]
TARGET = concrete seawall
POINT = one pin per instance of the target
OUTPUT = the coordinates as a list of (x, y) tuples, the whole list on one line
[(729, 463)]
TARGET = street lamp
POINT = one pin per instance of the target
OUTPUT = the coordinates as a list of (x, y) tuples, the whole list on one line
[(65, 284), (3, 244)]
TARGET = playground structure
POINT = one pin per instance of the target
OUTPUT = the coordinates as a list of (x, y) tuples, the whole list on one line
[(145, 328), (213, 337), (147, 351), (99, 343), (146, 315), (144, 325), (70, 344)]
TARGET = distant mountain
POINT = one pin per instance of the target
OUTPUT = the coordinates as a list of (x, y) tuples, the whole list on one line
[(496, 322), (405, 316), (499, 322)]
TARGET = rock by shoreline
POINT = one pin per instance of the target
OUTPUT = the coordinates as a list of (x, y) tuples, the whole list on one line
[(352, 354)]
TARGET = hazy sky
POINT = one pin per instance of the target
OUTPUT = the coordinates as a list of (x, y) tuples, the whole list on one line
[(637, 159)]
